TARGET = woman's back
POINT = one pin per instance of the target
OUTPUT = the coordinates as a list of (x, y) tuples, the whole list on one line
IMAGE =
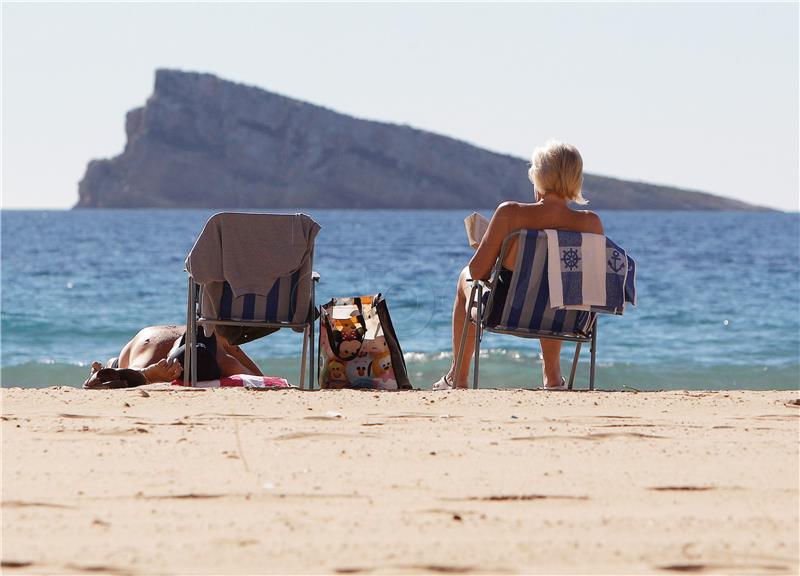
[(545, 215)]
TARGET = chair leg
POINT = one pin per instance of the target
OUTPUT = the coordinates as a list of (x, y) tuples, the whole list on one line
[(478, 326), (574, 365), (311, 356), (303, 359), (191, 338), (318, 359), (460, 355), (187, 350), (593, 356)]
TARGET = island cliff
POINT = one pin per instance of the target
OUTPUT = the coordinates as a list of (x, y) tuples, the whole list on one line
[(204, 142)]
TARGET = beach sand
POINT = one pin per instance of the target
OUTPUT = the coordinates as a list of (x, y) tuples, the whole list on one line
[(231, 481)]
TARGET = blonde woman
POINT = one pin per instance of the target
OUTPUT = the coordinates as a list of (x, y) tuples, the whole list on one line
[(557, 176)]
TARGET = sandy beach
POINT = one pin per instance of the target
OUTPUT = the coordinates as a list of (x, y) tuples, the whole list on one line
[(153, 481)]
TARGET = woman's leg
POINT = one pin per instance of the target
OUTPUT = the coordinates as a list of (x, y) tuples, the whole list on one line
[(239, 355), (228, 366), (231, 360), (463, 289), (551, 366)]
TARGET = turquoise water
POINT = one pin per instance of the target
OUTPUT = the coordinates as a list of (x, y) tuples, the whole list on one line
[(719, 294)]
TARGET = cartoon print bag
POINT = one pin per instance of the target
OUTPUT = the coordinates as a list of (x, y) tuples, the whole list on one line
[(358, 346)]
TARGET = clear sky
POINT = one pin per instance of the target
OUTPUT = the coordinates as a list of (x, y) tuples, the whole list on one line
[(702, 96)]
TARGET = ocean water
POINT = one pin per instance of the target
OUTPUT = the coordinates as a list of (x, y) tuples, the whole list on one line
[(719, 294)]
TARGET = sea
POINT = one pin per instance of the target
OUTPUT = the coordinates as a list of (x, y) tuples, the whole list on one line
[(719, 295)]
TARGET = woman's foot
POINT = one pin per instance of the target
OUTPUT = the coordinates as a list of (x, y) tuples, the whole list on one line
[(552, 379)]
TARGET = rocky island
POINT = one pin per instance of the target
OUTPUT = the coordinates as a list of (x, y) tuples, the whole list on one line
[(204, 142)]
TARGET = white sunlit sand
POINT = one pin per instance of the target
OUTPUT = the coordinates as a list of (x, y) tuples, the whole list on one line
[(230, 481)]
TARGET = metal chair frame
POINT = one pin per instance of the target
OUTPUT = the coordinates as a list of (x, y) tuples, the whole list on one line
[(476, 302), (194, 320)]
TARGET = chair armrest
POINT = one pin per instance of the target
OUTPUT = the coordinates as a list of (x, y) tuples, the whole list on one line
[(315, 276)]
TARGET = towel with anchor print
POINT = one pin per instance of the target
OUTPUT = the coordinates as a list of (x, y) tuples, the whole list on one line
[(589, 272)]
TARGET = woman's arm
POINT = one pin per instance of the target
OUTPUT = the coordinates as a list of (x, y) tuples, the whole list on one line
[(501, 224)]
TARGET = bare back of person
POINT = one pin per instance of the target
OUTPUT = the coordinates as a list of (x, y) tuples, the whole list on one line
[(150, 345), (551, 213), (547, 216)]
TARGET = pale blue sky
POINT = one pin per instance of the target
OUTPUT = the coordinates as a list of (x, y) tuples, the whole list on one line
[(697, 96)]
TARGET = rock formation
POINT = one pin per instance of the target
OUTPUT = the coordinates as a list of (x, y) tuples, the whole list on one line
[(205, 142)]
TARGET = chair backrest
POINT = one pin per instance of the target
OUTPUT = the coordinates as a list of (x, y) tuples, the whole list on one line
[(278, 305), (255, 267), (527, 304)]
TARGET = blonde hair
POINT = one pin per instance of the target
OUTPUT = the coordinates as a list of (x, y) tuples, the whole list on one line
[(557, 168)]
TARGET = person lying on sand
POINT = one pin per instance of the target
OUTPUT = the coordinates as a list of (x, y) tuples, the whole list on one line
[(155, 354), (557, 175)]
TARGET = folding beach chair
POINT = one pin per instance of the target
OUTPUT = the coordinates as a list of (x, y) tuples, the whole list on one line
[(527, 311), (232, 282)]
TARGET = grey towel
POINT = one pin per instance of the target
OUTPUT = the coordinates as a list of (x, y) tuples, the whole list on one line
[(251, 252)]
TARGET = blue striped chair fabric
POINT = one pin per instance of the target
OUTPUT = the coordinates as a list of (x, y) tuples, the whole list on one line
[(277, 306), (527, 308)]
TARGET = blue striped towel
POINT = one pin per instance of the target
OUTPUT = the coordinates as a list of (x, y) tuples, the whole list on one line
[(589, 272), (526, 307)]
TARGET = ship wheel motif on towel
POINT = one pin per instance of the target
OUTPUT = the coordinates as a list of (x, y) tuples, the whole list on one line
[(570, 258)]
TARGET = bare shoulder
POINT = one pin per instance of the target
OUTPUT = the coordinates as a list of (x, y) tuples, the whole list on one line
[(506, 216), (518, 211), (593, 222), (508, 207)]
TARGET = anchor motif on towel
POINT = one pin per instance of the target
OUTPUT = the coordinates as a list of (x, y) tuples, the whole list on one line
[(615, 257), (570, 258)]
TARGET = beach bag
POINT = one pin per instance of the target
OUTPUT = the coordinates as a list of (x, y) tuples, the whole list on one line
[(358, 346)]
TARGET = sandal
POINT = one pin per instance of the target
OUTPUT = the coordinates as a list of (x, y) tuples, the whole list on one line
[(442, 384), (561, 388)]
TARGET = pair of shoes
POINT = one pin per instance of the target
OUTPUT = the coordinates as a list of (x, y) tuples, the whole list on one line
[(442, 384), (561, 388)]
